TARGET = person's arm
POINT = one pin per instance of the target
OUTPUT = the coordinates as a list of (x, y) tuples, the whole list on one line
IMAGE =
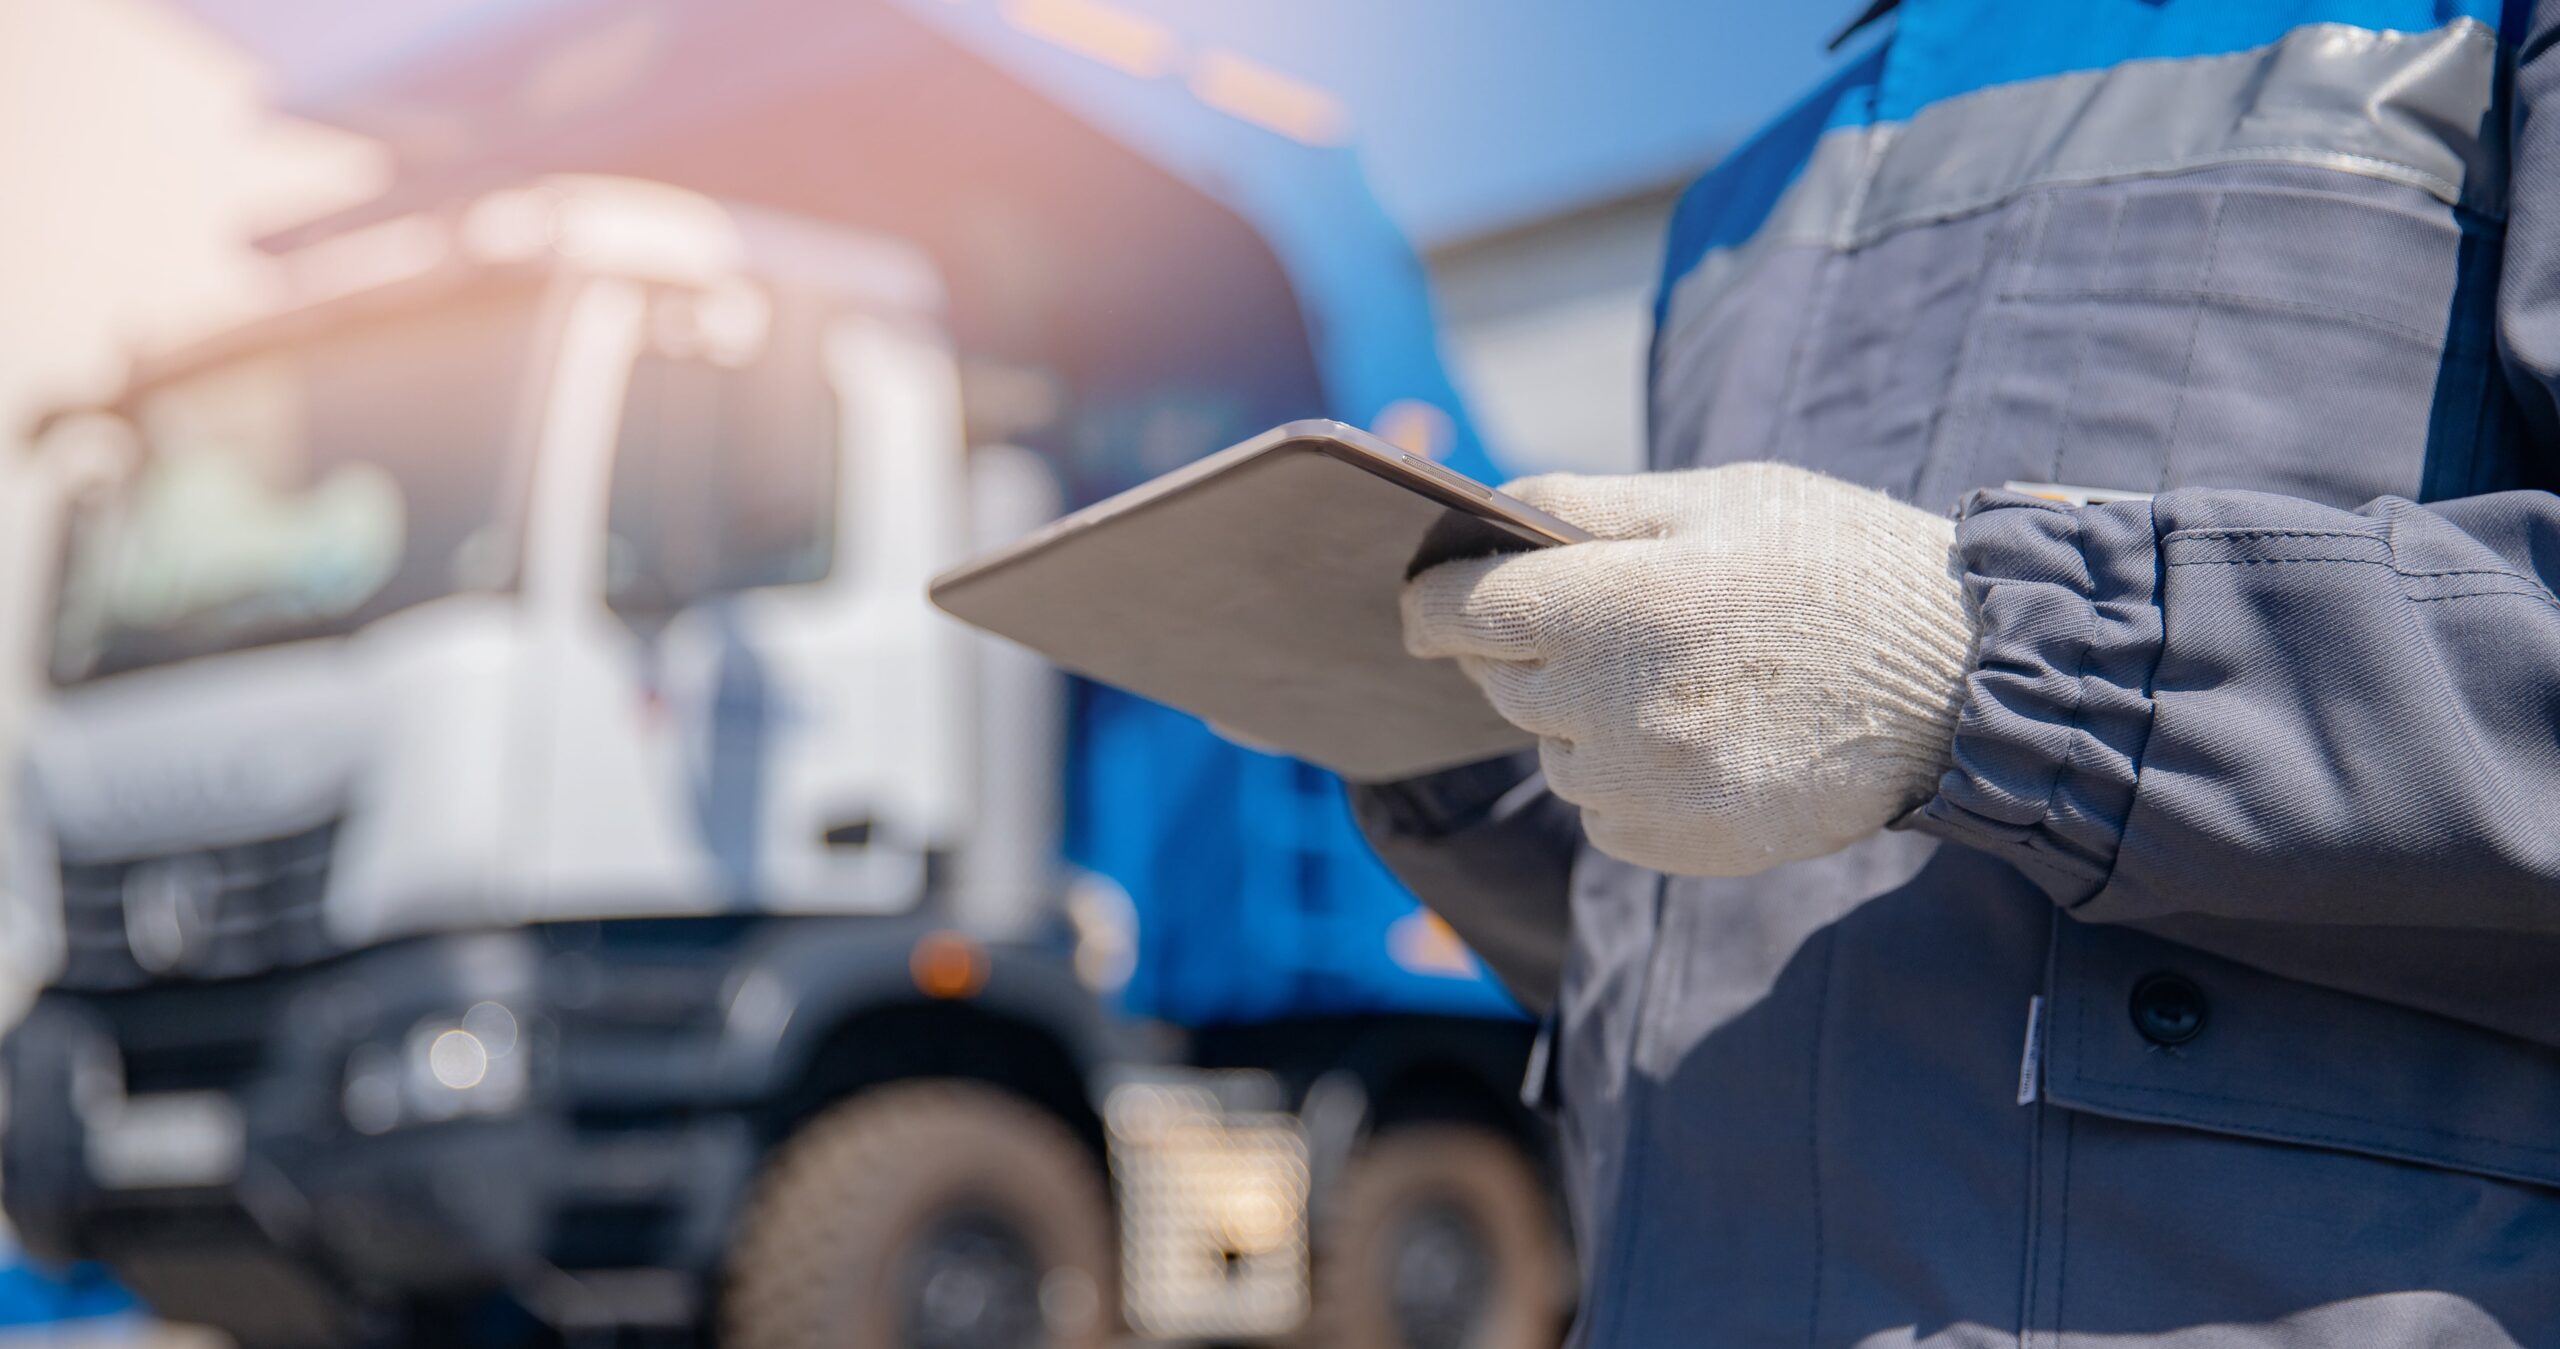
[(2255, 707), (1490, 850)]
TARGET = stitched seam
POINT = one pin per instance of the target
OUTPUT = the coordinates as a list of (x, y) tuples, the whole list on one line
[(2520, 587), (2454, 1134), (1813, 1130), (2393, 517), (2195, 330), (2030, 1289), (2500, 572), (1955, 412), (2245, 532), (2070, 1131), (1830, 280), (2237, 300), (2062, 1253), (2274, 561), (2034, 1225), (2431, 178), (2313, 156), (2079, 1020), (2058, 854), (1638, 1103), (2088, 338), (2512, 594), (2468, 571)]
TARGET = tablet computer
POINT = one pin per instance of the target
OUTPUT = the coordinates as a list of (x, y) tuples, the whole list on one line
[(1257, 588)]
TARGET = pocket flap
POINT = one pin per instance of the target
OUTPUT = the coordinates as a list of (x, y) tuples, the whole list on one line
[(2146, 1029)]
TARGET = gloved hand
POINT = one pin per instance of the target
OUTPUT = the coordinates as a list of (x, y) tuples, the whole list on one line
[(1757, 664)]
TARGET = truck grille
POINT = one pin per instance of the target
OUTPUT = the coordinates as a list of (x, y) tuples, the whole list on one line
[(1213, 1212), (218, 914)]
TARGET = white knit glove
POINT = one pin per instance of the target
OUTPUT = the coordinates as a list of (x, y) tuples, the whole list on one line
[(1757, 665)]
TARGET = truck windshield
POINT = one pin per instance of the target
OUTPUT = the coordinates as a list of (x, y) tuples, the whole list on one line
[(302, 490)]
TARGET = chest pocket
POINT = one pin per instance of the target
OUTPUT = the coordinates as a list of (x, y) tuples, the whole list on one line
[(2276, 328), (2147, 1029), (2229, 1147)]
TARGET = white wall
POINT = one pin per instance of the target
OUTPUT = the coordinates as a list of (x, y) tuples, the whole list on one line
[(1546, 325)]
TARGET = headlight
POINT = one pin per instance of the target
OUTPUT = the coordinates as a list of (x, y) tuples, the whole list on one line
[(1105, 923), (445, 1068)]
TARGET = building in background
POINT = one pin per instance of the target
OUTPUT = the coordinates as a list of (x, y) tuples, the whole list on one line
[(1546, 325)]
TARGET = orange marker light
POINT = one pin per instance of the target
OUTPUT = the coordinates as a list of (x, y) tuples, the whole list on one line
[(948, 965), (1129, 43), (1258, 94)]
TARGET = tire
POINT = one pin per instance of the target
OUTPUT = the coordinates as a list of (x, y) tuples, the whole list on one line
[(924, 1215), (1440, 1237)]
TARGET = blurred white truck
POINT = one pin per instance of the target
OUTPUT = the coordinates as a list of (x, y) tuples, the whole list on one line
[(519, 857)]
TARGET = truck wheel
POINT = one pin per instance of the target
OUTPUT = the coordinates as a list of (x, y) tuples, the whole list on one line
[(924, 1215), (1439, 1237)]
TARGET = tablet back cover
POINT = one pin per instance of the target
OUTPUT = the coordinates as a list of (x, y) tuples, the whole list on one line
[(1259, 594)]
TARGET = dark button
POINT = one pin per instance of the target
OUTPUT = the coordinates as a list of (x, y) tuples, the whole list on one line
[(2168, 1009)]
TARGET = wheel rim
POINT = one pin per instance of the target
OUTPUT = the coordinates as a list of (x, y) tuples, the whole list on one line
[(970, 1280), (1440, 1273)]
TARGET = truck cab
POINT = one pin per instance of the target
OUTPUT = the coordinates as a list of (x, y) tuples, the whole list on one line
[(462, 569)]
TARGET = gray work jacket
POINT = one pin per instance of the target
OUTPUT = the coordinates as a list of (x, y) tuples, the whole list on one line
[(2215, 998)]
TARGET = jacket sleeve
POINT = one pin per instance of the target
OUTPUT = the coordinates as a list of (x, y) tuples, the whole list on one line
[(1490, 850), (2251, 706), (2248, 706)]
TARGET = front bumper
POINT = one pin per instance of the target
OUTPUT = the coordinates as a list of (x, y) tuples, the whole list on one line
[(316, 1221)]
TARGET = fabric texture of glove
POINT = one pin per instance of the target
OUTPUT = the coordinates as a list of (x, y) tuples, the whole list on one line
[(1756, 665)]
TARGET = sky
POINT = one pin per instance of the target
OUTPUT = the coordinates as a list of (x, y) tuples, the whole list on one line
[(1468, 114)]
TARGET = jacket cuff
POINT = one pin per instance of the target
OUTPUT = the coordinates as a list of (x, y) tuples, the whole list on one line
[(2058, 706)]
